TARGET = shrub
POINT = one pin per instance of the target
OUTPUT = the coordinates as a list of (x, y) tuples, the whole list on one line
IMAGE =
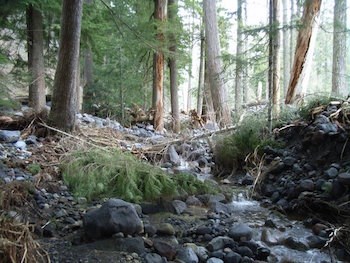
[(97, 174)]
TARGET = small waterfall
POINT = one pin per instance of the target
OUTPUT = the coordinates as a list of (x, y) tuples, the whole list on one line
[(242, 202)]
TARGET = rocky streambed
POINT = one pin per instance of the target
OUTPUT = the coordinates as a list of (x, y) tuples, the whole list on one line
[(205, 228)]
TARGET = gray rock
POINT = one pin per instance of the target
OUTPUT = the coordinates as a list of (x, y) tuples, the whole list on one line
[(20, 145), (194, 201), (220, 243), (165, 229), (218, 207), (178, 206), (9, 136), (307, 185), (263, 253), (245, 251), (154, 258), (187, 255), (316, 241), (289, 161), (216, 198), (293, 243), (241, 232), (344, 178), (165, 249), (331, 173), (327, 127), (202, 230), (215, 260), (114, 216), (200, 251), (232, 257), (173, 156)]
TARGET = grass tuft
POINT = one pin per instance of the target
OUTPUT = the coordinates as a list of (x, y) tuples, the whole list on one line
[(97, 174)]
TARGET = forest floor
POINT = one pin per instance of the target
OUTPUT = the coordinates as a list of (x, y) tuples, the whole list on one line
[(309, 179)]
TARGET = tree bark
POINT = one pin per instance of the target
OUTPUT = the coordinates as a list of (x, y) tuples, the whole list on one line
[(63, 110), (35, 41), (201, 73), (208, 113), (304, 49), (239, 59), (174, 96), (158, 67), (276, 92), (217, 87), (286, 48), (339, 49)]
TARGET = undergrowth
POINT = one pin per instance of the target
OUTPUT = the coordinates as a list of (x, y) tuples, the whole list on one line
[(96, 174), (252, 134)]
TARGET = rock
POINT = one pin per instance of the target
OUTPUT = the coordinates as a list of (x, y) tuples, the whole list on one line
[(263, 253), (344, 178), (165, 229), (154, 258), (245, 251), (215, 260), (241, 232), (218, 254), (194, 201), (270, 223), (173, 156), (289, 161), (269, 238), (292, 243), (112, 217), (317, 228), (216, 198), (127, 244), (247, 180), (218, 207), (61, 213), (201, 252), (220, 242), (9, 136), (164, 249), (331, 173), (187, 255), (20, 145), (307, 185), (150, 230), (178, 206), (82, 200), (232, 257), (202, 230), (316, 241)]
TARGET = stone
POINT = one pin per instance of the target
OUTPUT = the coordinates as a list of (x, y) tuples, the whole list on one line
[(344, 178), (154, 258), (241, 232), (194, 201), (220, 242), (187, 255), (215, 260), (317, 228), (9, 136), (270, 223), (263, 253), (218, 207), (247, 180), (307, 185), (173, 156), (164, 249), (218, 254), (316, 241), (232, 257), (150, 230), (216, 198), (202, 230), (271, 239), (20, 145), (293, 243), (165, 229), (112, 217), (178, 206), (245, 251), (331, 173), (289, 161)]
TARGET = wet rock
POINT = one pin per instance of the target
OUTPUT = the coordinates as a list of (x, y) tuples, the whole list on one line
[(173, 156), (270, 223), (331, 173), (217, 198), (187, 255), (178, 206), (247, 180), (293, 243), (114, 216), (220, 243), (218, 254), (165, 249), (317, 228), (263, 253), (232, 257), (9, 136), (154, 258), (316, 241), (218, 207), (165, 229), (344, 178), (241, 232), (215, 260), (269, 238)]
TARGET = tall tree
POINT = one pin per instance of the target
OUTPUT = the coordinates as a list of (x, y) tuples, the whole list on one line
[(286, 48), (239, 60), (174, 96), (37, 96), (339, 49), (201, 73), (160, 7), (63, 109), (217, 87), (304, 50)]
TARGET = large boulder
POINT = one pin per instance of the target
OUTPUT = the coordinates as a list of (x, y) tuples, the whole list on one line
[(9, 136), (114, 216)]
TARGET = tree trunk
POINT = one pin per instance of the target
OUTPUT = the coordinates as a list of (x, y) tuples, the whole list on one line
[(201, 73), (239, 60), (63, 110), (286, 48), (174, 96), (339, 49), (276, 92), (208, 113), (217, 87), (303, 52), (37, 96), (158, 67), (292, 35)]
